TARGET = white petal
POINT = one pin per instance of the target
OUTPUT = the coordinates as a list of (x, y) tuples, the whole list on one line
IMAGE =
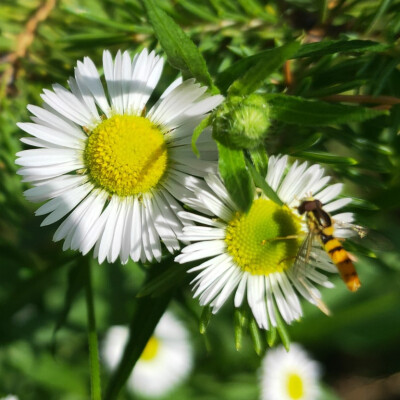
[(337, 204), (329, 193), (136, 241), (46, 157), (87, 76), (51, 135)]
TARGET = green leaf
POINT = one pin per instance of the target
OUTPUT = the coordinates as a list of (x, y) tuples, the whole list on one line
[(263, 185), (205, 319), (338, 46), (197, 132), (148, 312), (181, 51), (259, 157), (168, 277), (271, 336), (236, 70), (108, 22), (300, 111), (257, 73), (232, 167), (281, 328), (256, 336), (241, 321), (325, 158)]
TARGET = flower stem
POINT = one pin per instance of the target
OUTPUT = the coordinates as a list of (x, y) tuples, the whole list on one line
[(95, 381)]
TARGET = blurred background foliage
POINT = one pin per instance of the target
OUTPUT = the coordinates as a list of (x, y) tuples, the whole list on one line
[(43, 344)]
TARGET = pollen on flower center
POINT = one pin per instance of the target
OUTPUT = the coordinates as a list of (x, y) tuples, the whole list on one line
[(126, 155), (150, 351), (258, 241), (295, 386)]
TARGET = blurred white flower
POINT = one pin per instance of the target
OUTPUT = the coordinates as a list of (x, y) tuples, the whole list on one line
[(110, 167), (165, 362), (10, 397), (289, 375)]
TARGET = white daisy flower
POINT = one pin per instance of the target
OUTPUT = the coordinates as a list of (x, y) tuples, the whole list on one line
[(113, 169), (251, 253), (165, 362), (289, 375)]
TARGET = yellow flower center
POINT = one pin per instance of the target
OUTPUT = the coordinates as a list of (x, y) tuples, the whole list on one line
[(126, 155), (295, 386), (261, 241), (151, 349)]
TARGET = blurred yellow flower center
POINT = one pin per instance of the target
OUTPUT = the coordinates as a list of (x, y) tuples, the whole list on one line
[(259, 240), (126, 155), (295, 386), (150, 351)]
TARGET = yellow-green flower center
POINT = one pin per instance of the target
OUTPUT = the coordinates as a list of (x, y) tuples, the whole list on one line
[(264, 240), (126, 155), (295, 387), (151, 349)]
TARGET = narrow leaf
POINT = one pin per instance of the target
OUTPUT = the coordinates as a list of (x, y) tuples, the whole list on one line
[(281, 328), (257, 73), (256, 336), (325, 158), (232, 167), (338, 46), (170, 277), (260, 160), (271, 336), (241, 321), (181, 51), (205, 319), (263, 185), (297, 110), (148, 312), (197, 132), (236, 70)]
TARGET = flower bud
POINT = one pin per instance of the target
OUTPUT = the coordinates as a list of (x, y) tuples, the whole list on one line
[(242, 122)]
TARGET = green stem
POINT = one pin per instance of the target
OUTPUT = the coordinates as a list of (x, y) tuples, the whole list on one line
[(95, 381)]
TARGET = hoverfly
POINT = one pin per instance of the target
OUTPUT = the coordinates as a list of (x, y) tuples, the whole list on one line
[(320, 225)]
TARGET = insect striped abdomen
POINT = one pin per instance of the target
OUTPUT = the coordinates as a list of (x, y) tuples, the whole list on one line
[(341, 259)]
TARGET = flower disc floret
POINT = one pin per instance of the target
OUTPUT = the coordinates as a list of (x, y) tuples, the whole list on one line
[(258, 241), (151, 349), (295, 386), (126, 155)]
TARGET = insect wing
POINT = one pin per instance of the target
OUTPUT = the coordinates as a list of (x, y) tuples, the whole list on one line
[(300, 266), (303, 256), (358, 229)]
